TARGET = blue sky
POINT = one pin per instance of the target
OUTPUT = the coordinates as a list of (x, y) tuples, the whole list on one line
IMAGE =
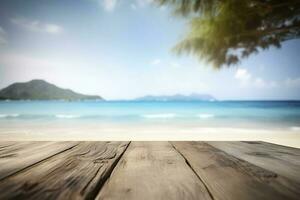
[(122, 49)]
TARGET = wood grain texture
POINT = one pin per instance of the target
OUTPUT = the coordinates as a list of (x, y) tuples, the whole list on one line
[(282, 160), (153, 170), (16, 156), (74, 174), (228, 177), (148, 170)]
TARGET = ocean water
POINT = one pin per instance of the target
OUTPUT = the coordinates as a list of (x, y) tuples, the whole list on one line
[(243, 114)]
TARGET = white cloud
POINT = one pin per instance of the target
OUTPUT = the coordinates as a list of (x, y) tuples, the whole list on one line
[(242, 75), (109, 5), (248, 80), (37, 26), (2, 36), (18, 60), (156, 62), (287, 83), (292, 82)]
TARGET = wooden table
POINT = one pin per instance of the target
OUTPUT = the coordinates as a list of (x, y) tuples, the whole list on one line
[(148, 170)]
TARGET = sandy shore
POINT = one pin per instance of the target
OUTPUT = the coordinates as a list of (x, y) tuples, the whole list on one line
[(286, 137)]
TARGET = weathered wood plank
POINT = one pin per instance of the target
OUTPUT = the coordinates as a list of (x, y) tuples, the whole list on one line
[(16, 156), (4, 144), (231, 178), (74, 174), (153, 170), (282, 160)]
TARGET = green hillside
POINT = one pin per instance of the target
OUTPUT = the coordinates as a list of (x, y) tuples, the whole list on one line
[(41, 90)]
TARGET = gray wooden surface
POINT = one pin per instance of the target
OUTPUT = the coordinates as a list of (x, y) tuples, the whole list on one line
[(15, 156), (228, 177), (153, 170), (148, 170), (280, 159), (73, 174)]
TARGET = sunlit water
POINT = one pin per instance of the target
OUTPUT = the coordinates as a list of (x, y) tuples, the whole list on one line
[(93, 118)]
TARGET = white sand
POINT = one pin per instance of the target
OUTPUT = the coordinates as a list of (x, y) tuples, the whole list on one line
[(287, 137)]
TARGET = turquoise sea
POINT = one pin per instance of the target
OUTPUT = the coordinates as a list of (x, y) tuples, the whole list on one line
[(245, 114)]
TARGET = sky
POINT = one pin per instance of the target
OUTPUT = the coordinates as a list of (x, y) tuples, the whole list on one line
[(122, 50)]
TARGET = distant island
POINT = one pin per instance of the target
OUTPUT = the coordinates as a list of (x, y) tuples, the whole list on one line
[(178, 97), (41, 90)]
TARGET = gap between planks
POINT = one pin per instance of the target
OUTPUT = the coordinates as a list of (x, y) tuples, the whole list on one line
[(100, 184), (189, 165), (96, 184), (228, 177), (176, 150), (153, 170)]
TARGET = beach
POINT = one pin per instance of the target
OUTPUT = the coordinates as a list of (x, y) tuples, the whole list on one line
[(276, 122), (149, 150), (147, 133)]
